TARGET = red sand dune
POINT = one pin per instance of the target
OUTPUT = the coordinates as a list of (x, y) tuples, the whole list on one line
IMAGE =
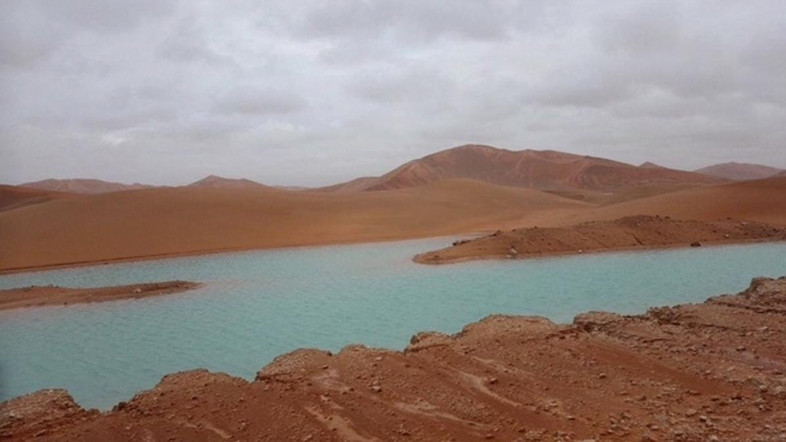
[(761, 200), (740, 171), (169, 221), (166, 221), (543, 170), (82, 185), (13, 197)]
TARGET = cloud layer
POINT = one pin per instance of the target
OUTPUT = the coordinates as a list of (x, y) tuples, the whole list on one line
[(311, 93)]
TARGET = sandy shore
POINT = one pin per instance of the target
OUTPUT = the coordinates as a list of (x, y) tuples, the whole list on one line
[(695, 372), (36, 296), (629, 233)]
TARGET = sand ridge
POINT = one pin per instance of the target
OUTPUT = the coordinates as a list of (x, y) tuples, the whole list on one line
[(694, 372)]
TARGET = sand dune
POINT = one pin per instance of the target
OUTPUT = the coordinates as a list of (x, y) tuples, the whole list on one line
[(543, 170), (13, 197), (740, 171), (168, 221), (82, 185), (761, 200)]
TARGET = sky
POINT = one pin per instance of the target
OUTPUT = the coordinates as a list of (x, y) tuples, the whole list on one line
[(316, 92)]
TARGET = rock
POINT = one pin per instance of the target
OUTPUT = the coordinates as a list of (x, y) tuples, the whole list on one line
[(427, 339), (695, 244), (596, 320)]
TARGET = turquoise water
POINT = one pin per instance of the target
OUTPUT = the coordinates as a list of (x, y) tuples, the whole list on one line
[(258, 305)]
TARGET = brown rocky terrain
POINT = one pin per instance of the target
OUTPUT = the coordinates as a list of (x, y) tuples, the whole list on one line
[(543, 170), (694, 372), (37, 296), (634, 232)]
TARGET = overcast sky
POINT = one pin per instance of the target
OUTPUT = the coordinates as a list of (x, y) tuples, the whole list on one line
[(316, 92)]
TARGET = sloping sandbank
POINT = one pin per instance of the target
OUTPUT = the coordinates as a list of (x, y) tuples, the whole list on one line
[(695, 372), (40, 296), (633, 232), (155, 223)]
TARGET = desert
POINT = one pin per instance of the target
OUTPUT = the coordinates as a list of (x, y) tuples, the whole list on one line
[(454, 197), (412, 220)]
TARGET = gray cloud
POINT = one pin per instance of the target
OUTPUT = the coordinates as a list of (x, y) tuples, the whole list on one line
[(252, 101), (312, 92)]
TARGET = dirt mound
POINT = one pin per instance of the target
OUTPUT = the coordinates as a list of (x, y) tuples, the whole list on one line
[(711, 371), (626, 233)]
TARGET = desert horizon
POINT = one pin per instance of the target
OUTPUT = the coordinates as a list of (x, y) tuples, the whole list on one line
[(392, 221), (462, 190)]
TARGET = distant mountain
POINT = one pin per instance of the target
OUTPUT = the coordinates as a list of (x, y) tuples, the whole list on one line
[(217, 182), (82, 185), (543, 170), (650, 165), (740, 171)]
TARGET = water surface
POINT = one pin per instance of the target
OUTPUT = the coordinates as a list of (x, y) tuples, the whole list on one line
[(258, 305)]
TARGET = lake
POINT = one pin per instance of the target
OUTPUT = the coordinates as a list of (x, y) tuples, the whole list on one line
[(258, 305)]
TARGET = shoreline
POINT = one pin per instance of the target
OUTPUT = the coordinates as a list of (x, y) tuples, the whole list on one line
[(704, 371), (109, 261), (631, 249), (47, 296), (635, 233)]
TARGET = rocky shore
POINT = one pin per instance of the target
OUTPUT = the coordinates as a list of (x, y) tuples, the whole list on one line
[(629, 233), (41, 296), (694, 372)]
